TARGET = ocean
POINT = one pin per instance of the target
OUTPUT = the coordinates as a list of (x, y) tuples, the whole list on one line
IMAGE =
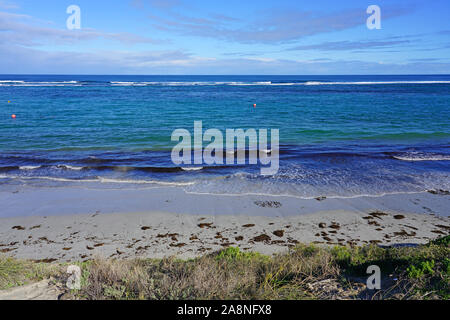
[(340, 136)]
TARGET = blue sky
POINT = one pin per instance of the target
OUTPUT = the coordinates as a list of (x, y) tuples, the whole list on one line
[(224, 37)]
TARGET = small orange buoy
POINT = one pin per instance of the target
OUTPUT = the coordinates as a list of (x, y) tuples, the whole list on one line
[(254, 106), (13, 116)]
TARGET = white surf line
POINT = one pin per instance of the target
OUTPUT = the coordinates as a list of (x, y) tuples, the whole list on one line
[(305, 198), (105, 180)]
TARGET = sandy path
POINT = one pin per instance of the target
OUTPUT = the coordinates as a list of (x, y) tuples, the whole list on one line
[(42, 290)]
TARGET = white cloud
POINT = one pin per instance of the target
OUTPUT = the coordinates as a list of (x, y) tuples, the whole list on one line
[(271, 27), (6, 5), (24, 30), (17, 59)]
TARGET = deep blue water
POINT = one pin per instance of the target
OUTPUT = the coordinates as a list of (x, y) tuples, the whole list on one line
[(339, 135)]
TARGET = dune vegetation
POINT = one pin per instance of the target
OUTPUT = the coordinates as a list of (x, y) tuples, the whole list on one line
[(305, 272)]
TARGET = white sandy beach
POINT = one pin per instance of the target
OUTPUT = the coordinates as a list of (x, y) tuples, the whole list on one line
[(78, 224)]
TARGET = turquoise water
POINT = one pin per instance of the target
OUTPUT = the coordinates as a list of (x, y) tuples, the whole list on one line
[(339, 135)]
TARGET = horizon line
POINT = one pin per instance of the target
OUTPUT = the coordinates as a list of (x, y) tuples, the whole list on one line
[(165, 75)]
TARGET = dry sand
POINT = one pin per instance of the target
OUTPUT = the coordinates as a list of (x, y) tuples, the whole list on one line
[(67, 224), (282, 224)]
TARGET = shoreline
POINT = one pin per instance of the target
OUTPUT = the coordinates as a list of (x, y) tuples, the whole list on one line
[(57, 201)]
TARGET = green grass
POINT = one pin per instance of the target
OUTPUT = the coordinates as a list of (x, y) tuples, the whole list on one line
[(234, 253), (15, 273), (444, 241), (306, 272)]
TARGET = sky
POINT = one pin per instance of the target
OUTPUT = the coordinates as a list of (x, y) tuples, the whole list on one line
[(224, 37)]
